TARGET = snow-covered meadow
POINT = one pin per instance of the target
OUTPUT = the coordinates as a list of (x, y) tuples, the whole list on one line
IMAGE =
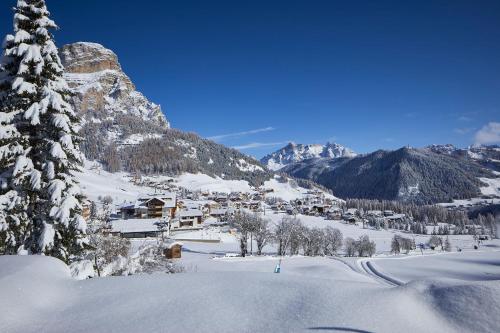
[(244, 295)]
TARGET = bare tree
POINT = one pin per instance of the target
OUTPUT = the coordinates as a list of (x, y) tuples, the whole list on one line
[(287, 234), (434, 241), (262, 233), (365, 247), (401, 243), (333, 241), (396, 244), (106, 249), (312, 241), (245, 224), (350, 247)]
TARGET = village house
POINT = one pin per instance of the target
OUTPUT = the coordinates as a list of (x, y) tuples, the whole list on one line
[(252, 205), (191, 218), (351, 215), (222, 214), (374, 213), (153, 206), (395, 217), (334, 213), (388, 213), (206, 206), (139, 228)]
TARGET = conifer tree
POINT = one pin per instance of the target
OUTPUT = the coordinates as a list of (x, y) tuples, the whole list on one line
[(38, 100), (15, 167)]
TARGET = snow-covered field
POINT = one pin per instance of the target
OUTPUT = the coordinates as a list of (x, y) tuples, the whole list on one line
[(470, 266), (244, 295)]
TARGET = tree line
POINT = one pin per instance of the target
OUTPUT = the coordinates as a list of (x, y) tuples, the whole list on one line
[(292, 237), (420, 216)]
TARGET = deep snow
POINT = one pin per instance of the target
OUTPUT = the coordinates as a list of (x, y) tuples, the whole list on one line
[(316, 294)]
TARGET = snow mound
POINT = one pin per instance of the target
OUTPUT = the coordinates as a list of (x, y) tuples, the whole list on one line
[(30, 285), (472, 307)]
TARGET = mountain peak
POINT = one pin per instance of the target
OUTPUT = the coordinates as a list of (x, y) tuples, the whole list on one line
[(294, 152), (85, 57), (442, 149), (102, 90)]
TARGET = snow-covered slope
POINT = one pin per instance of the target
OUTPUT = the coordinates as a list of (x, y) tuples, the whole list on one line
[(285, 189), (292, 153), (309, 295), (96, 182)]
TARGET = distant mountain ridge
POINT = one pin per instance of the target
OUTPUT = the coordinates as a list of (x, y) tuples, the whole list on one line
[(426, 175), (487, 155), (293, 153)]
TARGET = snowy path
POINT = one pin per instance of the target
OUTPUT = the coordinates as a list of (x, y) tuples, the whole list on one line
[(397, 271), (370, 269)]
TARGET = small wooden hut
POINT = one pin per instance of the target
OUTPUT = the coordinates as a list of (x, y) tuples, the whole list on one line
[(173, 250)]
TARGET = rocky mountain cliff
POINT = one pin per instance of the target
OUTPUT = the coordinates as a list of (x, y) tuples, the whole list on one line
[(293, 153), (123, 130), (103, 91)]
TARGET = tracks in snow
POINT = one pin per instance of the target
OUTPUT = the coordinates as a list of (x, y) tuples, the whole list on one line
[(368, 268)]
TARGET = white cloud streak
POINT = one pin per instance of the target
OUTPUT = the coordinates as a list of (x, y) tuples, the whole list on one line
[(489, 134), (260, 145), (239, 134), (463, 131)]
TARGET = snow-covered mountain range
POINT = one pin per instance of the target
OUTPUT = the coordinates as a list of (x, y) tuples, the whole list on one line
[(487, 156), (438, 173), (293, 153)]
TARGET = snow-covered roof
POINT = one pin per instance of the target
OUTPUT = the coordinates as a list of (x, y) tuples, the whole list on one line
[(172, 244), (169, 199), (396, 216), (190, 213), (135, 225), (218, 211), (211, 221)]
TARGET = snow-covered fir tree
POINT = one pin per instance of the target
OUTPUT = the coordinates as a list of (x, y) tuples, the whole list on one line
[(15, 170), (44, 126)]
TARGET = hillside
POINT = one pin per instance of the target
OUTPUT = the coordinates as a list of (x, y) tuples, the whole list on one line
[(123, 130), (417, 175)]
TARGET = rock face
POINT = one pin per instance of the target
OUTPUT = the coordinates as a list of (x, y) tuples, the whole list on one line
[(293, 153), (102, 88)]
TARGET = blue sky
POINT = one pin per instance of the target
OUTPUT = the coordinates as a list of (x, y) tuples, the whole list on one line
[(257, 74)]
